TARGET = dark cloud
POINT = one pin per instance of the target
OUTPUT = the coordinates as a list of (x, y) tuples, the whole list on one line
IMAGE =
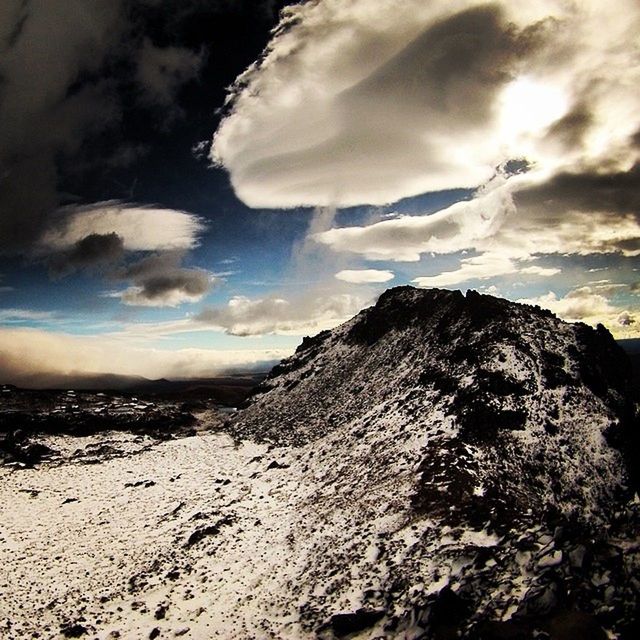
[(161, 280), (161, 71), (68, 72), (617, 192), (92, 251), (571, 129), (626, 319), (452, 70)]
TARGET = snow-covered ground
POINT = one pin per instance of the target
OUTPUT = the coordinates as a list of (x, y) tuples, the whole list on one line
[(107, 545)]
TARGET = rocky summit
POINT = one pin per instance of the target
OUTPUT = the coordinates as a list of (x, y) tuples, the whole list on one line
[(440, 466)]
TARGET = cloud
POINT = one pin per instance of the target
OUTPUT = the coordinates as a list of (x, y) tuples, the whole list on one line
[(140, 227), (22, 315), (588, 304), (303, 315), (405, 238), (99, 235), (92, 251), (509, 222), (625, 319), (365, 276), (28, 355), (66, 72), (366, 102), (160, 281), (162, 70), (480, 267)]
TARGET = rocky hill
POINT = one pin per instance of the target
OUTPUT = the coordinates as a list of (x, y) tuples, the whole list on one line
[(440, 466), (493, 434)]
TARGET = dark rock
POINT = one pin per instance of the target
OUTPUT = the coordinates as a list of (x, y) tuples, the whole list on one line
[(344, 624), (74, 631), (448, 614), (540, 600), (212, 530), (574, 625), (277, 465), (507, 630), (161, 612)]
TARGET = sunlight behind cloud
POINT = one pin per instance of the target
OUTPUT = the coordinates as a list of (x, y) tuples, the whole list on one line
[(528, 106)]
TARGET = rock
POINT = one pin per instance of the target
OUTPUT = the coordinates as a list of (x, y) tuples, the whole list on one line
[(211, 530), (540, 600), (576, 625), (277, 465), (448, 612), (74, 631), (550, 560), (344, 624), (577, 555), (507, 630), (161, 612)]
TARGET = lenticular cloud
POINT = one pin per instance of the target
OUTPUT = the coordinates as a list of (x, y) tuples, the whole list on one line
[(370, 101)]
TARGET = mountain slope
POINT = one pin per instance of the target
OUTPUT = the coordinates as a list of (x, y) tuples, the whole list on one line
[(448, 413), (535, 399)]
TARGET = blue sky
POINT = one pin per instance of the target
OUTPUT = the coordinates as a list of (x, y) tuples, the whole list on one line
[(161, 218)]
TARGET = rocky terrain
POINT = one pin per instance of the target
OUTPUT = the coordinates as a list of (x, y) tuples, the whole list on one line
[(440, 466), (28, 418)]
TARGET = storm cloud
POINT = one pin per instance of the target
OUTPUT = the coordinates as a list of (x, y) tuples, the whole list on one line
[(66, 71), (93, 250)]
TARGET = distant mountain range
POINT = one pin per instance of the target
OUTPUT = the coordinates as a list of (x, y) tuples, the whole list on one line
[(229, 390)]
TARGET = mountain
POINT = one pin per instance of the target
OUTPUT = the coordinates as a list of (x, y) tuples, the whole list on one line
[(463, 442), (441, 466)]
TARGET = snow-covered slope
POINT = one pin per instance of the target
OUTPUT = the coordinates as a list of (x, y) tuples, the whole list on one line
[(440, 465), (502, 405)]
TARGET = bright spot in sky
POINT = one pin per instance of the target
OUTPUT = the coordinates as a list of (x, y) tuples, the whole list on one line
[(529, 107)]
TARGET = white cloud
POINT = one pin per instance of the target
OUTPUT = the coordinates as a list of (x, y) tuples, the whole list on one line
[(588, 304), (21, 315), (370, 101), (461, 226), (303, 315), (26, 352), (141, 228), (477, 268), (535, 270), (509, 222), (365, 276)]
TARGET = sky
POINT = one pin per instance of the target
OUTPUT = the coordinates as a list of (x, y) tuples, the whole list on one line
[(189, 187)]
